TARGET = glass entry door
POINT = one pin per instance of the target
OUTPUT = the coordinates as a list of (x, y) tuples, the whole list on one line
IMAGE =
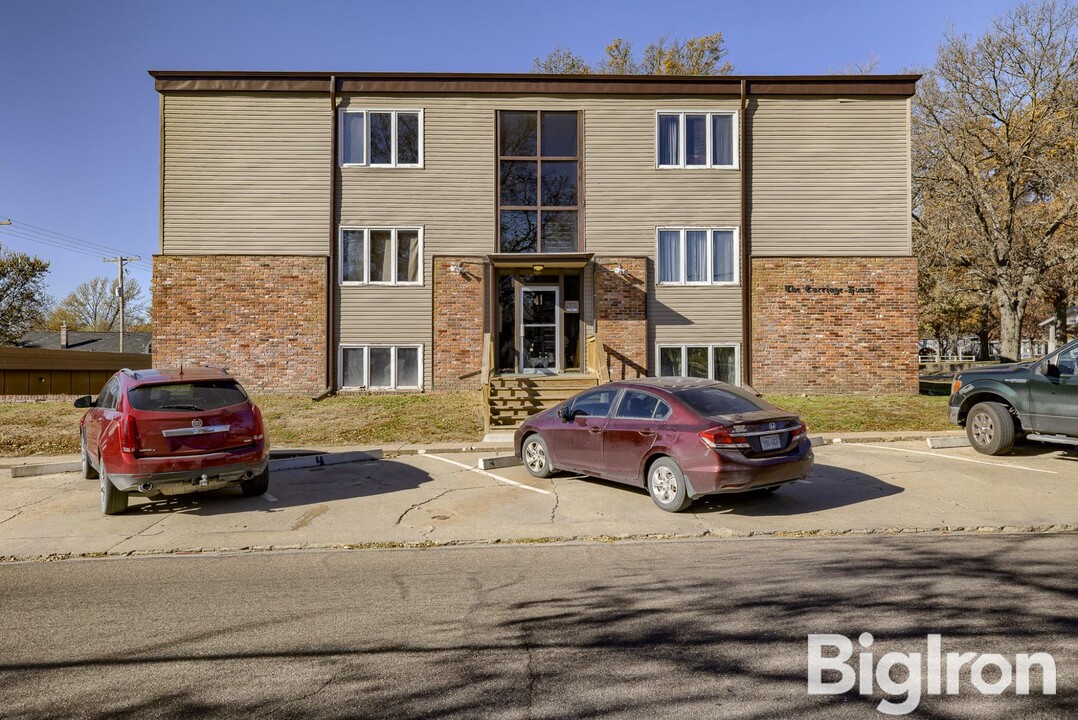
[(540, 330)]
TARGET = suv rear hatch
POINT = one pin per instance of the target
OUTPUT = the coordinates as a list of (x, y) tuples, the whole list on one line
[(191, 418)]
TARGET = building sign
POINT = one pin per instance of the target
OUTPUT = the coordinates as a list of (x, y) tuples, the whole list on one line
[(828, 290), (572, 306)]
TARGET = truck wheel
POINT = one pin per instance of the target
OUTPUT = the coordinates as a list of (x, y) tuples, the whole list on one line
[(113, 502), (258, 485), (990, 428)]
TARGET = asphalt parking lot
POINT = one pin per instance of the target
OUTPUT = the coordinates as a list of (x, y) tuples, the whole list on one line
[(442, 498)]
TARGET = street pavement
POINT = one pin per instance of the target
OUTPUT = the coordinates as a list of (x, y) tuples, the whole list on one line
[(441, 498), (640, 629)]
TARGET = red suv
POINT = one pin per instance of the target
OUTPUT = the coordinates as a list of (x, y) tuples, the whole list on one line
[(170, 432)]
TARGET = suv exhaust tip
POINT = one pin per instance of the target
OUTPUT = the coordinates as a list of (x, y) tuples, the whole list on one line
[(146, 487)]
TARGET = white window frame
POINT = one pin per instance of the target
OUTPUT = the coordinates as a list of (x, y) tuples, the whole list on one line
[(683, 269), (709, 165), (366, 348), (684, 347), (367, 256), (365, 112)]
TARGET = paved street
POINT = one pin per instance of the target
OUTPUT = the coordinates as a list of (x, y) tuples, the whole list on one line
[(686, 629), (437, 498)]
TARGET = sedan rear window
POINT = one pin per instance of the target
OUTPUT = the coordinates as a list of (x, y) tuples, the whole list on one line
[(190, 396), (709, 401)]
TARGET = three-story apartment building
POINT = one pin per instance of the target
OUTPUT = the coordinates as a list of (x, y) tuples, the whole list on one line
[(417, 232)]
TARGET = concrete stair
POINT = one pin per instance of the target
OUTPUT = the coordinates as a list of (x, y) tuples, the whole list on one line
[(515, 398)]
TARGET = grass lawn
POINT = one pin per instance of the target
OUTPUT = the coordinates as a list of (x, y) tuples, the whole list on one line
[(856, 413), (51, 428)]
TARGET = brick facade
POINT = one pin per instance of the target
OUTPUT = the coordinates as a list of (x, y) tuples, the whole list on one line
[(261, 316), (835, 324), (621, 314), (459, 301)]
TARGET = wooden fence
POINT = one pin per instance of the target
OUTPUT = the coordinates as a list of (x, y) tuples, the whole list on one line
[(37, 372)]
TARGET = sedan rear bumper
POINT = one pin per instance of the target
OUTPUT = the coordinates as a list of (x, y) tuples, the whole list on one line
[(732, 472)]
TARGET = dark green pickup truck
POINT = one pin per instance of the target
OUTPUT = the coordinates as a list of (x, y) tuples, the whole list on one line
[(1037, 399)]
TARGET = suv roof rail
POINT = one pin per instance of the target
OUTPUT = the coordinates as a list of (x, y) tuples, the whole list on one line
[(216, 367), (129, 371)]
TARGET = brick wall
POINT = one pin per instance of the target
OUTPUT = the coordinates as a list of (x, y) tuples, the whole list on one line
[(621, 314), (810, 333), (459, 302), (263, 317)]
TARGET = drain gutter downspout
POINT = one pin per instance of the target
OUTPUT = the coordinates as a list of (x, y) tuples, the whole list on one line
[(746, 258), (331, 258)]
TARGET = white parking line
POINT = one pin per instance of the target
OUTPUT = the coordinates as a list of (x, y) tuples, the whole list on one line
[(951, 457), (499, 478)]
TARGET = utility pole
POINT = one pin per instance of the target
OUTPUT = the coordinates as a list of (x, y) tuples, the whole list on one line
[(120, 290)]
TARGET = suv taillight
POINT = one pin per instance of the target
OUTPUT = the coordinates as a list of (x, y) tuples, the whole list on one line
[(129, 436), (720, 438), (259, 429)]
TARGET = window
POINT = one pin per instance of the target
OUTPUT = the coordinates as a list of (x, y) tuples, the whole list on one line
[(698, 256), (595, 404), (538, 181), (381, 138), (710, 402), (713, 362), (381, 367), (204, 395), (381, 256), (696, 139), (636, 405)]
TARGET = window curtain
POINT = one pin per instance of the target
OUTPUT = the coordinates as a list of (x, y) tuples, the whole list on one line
[(353, 367), (670, 362), (381, 269), (696, 256), (381, 367), (696, 139), (353, 137), (407, 256), (722, 139), (722, 256), (668, 139), (669, 256), (725, 367)]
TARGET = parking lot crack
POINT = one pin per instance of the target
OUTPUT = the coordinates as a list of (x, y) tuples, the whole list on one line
[(432, 499), (17, 514), (557, 499)]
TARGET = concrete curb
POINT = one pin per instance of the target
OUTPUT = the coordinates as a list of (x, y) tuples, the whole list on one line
[(18, 471), (501, 461), (710, 535), (938, 443), (309, 461)]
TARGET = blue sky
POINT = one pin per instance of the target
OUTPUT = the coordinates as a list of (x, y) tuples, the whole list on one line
[(79, 115)]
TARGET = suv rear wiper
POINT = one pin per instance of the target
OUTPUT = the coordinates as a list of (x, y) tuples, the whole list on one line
[(181, 407)]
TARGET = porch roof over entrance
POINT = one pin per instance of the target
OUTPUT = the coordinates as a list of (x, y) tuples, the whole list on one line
[(540, 261)]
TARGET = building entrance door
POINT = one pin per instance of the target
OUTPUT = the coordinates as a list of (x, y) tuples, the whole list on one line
[(540, 330)]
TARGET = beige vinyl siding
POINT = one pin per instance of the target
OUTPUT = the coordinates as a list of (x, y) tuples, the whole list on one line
[(245, 174), (454, 198), (830, 176), (683, 315)]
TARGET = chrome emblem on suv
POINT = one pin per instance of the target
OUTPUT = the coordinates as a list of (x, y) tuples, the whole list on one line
[(771, 426), (196, 423)]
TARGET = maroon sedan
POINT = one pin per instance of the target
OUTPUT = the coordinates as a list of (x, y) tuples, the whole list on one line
[(681, 438), (171, 432)]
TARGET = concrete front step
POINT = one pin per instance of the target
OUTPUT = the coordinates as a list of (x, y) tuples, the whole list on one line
[(515, 398)]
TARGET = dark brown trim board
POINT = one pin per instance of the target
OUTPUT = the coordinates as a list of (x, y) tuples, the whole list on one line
[(478, 83), (331, 258), (746, 246)]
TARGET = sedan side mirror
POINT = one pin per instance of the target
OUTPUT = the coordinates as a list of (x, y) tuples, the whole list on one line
[(565, 414), (1050, 370), (84, 402)]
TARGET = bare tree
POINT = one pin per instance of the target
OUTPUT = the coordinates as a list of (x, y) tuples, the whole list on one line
[(95, 306), (704, 55), (994, 128), (23, 300), (867, 66)]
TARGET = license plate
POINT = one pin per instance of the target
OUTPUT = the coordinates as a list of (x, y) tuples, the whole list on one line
[(770, 442)]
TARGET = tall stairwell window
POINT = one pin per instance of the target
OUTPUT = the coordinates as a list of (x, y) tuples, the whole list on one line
[(539, 181)]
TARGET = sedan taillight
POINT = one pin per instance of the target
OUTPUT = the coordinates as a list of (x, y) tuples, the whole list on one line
[(720, 438), (801, 429)]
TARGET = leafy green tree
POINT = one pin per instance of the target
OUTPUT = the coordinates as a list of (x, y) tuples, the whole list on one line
[(23, 300)]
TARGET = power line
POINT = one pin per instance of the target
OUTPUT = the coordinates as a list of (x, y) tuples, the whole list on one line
[(35, 236), (80, 241), (61, 245)]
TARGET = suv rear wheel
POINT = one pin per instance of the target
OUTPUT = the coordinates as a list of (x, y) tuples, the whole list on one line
[(113, 502), (990, 428)]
